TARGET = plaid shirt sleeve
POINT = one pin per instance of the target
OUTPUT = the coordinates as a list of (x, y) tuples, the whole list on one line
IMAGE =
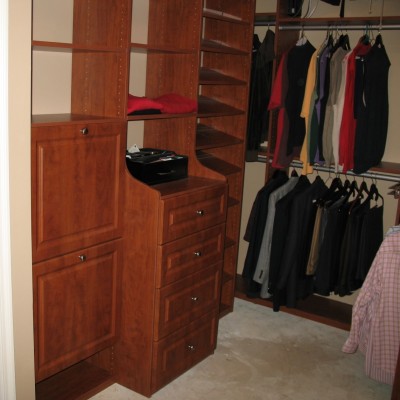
[(375, 326)]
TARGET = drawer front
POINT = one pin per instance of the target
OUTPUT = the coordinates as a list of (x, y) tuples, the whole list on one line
[(186, 214), (182, 302), (193, 253), (180, 351), (76, 187), (75, 306)]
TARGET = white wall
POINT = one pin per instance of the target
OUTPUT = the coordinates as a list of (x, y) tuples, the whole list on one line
[(20, 203)]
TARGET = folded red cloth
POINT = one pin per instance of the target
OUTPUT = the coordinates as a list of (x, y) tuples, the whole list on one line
[(173, 103), (136, 103)]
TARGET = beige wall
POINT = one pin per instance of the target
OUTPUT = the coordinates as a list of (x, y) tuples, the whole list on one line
[(19, 136)]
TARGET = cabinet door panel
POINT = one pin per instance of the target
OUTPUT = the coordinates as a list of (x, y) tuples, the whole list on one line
[(75, 306), (182, 302), (194, 253), (190, 213), (75, 187)]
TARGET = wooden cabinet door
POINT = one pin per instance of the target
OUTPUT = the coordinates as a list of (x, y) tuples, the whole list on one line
[(76, 185), (75, 306)]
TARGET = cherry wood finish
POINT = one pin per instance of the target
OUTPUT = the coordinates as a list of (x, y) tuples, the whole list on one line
[(186, 300), (163, 274), (75, 306), (188, 213), (196, 252), (75, 186), (226, 47), (180, 238), (183, 349), (77, 192)]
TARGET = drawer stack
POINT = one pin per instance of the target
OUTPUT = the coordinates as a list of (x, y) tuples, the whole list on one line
[(181, 289)]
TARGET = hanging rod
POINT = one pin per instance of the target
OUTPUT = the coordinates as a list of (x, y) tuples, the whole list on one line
[(370, 174), (340, 26)]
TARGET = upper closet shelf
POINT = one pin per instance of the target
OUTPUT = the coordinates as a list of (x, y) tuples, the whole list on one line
[(69, 47), (212, 108), (264, 19), (146, 48), (219, 47), (212, 77), (222, 16)]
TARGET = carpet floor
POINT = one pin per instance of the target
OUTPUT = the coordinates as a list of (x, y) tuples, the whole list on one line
[(263, 355)]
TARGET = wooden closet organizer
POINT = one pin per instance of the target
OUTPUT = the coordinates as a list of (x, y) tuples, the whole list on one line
[(130, 280)]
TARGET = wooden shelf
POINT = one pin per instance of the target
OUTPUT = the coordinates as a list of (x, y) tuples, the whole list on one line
[(217, 164), (212, 77), (143, 117), (182, 186), (208, 107), (147, 48), (264, 18), (62, 119), (43, 45), (80, 381), (208, 137), (215, 47), (219, 15)]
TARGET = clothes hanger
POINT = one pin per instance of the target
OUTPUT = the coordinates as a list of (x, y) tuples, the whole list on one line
[(302, 38)]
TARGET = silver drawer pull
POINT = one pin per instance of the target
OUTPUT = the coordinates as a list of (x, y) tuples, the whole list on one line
[(190, 347), (85, 131), (197, 253), (82, 257), (200, 212), (195, 298)]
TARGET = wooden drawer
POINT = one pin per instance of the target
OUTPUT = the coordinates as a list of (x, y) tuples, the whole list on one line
[(180, 351), (75, 306), (76, 187), (186, 214), (182, 302), (193, 253)]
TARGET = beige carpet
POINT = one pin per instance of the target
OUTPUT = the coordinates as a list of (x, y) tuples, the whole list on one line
[(262, 355)]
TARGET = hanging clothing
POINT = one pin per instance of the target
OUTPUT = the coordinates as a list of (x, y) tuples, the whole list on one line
[(335, 77), (323, 93), (373, 112), (293, 281), (261, 274), (338, 111), (255, 229), (279, 92), (348, 124), (361, 218), (260, 90), (281, 225), (298, 60), (307, 111), (375, 325)]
